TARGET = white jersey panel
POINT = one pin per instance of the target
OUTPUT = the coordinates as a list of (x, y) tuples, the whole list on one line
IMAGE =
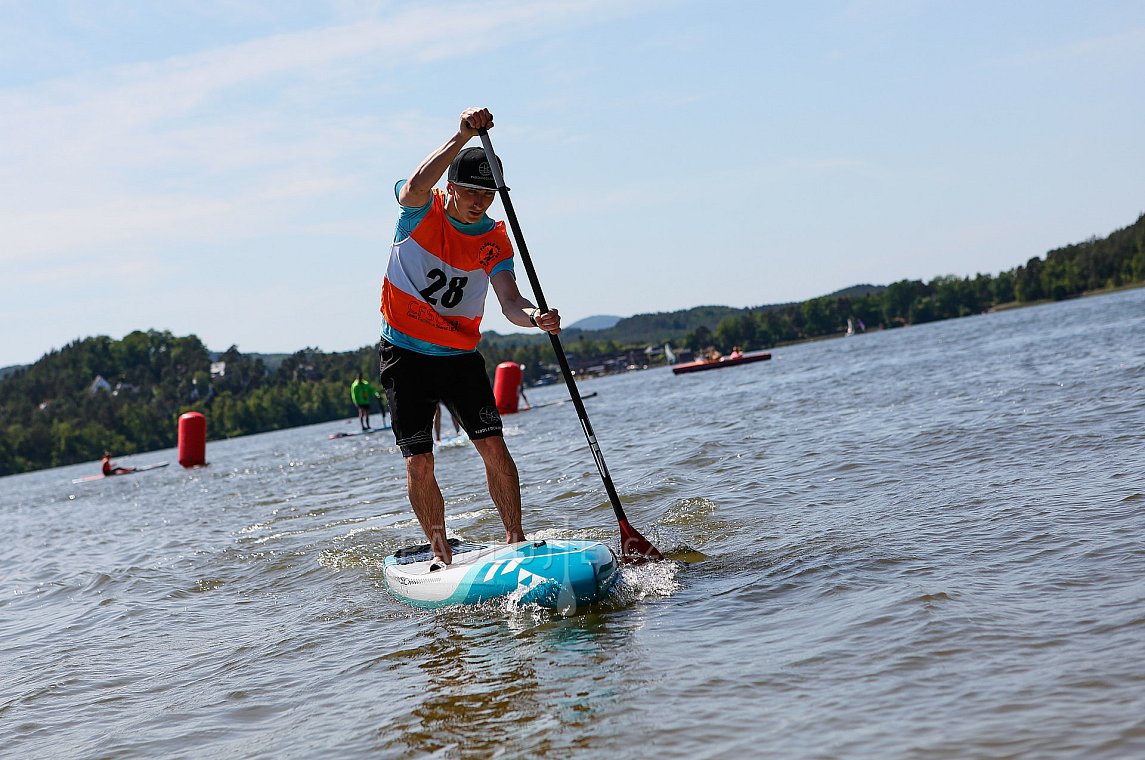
[(421, 275)]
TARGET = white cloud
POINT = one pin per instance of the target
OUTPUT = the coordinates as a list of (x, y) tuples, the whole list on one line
[(157, 148)]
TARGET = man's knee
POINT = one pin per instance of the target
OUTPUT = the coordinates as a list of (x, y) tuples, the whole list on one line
[(419, 466), (492, 449)]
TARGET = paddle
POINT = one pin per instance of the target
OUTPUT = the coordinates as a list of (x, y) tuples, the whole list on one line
[(634, 547)]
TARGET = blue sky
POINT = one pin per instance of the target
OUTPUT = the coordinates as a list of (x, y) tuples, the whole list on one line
[(225, 167)]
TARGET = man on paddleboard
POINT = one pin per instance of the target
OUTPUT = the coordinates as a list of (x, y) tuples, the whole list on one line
[(446, 253), (362, 393)]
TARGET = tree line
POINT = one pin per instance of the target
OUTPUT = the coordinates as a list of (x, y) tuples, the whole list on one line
[(1112, 262), (56, 412), (1115, 261), (125, 396)]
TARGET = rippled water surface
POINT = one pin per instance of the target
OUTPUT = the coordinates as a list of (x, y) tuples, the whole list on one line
[(924, 542)]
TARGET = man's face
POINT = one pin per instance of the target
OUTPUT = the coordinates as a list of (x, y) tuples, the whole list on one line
[(468, 204)]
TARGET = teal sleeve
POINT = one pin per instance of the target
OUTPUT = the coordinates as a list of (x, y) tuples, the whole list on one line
[(409, 217), (504, 266)]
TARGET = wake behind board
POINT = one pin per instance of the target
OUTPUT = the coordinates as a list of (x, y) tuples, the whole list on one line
[(551, 573), (140, 468)]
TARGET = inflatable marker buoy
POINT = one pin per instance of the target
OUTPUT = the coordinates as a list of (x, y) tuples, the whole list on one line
[(506, 384), (192, 439)]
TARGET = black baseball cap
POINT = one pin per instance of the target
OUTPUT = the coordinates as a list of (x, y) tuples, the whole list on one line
[(471, 169)]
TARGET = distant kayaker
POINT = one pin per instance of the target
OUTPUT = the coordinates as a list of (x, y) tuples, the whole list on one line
[(110, 468), (446, 253), (736, 353), (363, 394)]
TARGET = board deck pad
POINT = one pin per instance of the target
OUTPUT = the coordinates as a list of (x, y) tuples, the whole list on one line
[(424, 553)]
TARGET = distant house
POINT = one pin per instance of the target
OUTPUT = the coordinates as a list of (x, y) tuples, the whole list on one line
[(218, 369), (125, 388), (99, 384), (208, 394)]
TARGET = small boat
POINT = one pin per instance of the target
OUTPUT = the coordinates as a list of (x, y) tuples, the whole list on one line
[(552, 573), (725, 361)]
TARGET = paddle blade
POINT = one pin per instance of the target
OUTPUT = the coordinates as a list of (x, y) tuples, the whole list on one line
[(635, 548)]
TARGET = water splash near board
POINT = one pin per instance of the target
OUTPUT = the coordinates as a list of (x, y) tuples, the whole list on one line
[(455, 441)]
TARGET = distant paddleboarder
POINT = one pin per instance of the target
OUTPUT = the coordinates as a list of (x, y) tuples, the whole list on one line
[(446, 253), (362, 394), (437, 424), (521, 390)]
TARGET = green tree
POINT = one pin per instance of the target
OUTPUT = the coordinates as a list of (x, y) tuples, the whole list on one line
[(1028, 282)]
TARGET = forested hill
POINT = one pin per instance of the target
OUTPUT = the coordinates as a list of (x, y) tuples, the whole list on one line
[(1096, 264), (126, 395), (652, 328), (665, 326)]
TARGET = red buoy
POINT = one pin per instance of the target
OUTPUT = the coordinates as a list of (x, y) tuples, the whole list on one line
[(192, 439), (506, 383)]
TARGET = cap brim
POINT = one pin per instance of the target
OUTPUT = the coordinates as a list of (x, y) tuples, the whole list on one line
[(470, 185)]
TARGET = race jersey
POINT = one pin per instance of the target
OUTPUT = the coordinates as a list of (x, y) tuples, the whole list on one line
[(433, 295)]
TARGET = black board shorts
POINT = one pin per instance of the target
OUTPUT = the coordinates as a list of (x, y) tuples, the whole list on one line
[(414, 385)]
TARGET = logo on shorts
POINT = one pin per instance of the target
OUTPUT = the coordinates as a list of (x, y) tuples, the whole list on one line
[(489, 415)]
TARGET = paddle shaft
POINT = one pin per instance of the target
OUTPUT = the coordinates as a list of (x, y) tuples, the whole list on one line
[(562, 360)]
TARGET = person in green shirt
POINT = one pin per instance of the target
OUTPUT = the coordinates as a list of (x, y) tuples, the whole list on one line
[(362, 392)]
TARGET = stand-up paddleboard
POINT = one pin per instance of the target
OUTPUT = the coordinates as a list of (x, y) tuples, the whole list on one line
[(551, 573), (140, 468), (367, 431), (557, 402)]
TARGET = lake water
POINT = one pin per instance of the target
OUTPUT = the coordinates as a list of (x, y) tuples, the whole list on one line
[(918, 543)]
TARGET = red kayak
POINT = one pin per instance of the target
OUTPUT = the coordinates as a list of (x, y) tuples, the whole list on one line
[(132, 471), (720, 363)]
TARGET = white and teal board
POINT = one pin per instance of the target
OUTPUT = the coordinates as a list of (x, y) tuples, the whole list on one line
[(551, 573)]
